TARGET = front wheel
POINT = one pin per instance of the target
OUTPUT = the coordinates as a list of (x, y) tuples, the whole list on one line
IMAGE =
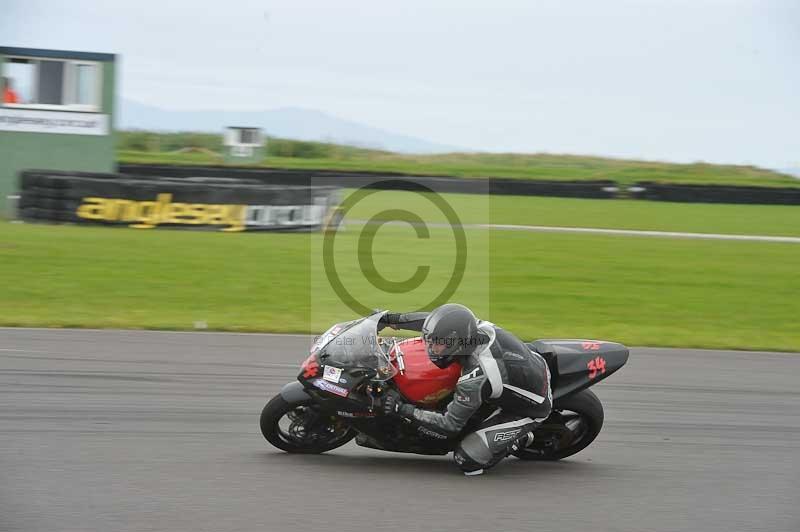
[(302, 428), (574, 423)]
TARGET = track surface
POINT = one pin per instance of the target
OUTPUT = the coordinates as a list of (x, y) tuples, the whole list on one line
[(116, 431)]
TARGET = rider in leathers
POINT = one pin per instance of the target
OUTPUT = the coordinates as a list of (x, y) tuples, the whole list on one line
[(503, 384)]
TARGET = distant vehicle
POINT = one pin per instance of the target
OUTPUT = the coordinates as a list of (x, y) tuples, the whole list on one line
[(350, 367)]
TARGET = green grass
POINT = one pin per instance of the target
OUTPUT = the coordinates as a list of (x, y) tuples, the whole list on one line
[(775, 220), (153, 148), (640, 291)]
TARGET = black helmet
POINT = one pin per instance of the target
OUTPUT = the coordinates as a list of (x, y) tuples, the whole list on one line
[(450, 331)]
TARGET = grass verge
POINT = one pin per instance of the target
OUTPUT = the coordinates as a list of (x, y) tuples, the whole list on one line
[(661, 292), (773, 220)]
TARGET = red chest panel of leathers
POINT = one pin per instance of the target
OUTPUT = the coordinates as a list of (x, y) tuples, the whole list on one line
[(424, 383)]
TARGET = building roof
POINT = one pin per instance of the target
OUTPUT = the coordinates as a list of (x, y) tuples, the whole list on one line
[(57, 54)]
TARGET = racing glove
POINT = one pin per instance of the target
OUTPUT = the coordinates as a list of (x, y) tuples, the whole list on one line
[(394, 405), (389, 319)]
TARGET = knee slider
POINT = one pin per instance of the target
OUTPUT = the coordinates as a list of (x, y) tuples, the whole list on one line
[(465, 462)]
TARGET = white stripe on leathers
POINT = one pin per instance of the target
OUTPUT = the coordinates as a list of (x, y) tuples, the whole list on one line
[(538, 399), (487, 361)]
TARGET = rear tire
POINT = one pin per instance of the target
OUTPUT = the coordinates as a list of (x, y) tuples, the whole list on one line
[(585, 410), (275, 410)]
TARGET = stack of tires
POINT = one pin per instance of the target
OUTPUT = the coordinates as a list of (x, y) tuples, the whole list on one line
[(45, 196), (50, 196), (716, 193)]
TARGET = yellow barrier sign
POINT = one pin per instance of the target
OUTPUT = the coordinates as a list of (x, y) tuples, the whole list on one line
[(149, 214)]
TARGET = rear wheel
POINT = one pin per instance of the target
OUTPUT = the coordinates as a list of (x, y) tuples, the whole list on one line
[(574, 423), (302, 428)]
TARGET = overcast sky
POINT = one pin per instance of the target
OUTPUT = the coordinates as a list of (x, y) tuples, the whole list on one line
[(679, 80)]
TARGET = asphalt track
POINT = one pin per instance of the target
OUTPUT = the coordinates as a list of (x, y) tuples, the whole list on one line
[(117, 431)]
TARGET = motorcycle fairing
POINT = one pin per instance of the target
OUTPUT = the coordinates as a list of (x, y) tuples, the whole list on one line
[(577, 364)]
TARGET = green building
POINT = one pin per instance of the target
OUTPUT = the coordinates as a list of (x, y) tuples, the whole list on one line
[(57, 113)]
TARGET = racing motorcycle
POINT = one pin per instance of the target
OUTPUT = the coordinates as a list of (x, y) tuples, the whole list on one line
[(337, 394)]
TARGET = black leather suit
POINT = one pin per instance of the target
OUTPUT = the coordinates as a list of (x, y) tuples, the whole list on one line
[(503, 385)]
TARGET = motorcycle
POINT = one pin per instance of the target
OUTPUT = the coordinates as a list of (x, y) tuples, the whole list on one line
[(337, 394)]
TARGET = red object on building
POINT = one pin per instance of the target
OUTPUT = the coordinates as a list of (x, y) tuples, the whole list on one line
[(10, 96)]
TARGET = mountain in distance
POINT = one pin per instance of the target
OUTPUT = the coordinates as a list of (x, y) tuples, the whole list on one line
[(287, 122)]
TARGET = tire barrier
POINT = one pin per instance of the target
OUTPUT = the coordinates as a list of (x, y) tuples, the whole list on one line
[(605, 189), (715, 194), (227, 204), (385, 180)]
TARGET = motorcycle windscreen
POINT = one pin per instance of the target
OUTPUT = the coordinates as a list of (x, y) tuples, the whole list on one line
[(355, 345)]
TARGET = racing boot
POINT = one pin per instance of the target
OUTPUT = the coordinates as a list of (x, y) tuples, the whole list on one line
[(521, 442)]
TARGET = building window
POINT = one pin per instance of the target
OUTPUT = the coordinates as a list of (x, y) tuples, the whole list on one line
[(248, 136), (51, 83), (21, 75), (54, 84), (86, 84), (243, 136)]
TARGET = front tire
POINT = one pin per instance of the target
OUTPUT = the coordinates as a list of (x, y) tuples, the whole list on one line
[(309, 431), (574, 423)]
